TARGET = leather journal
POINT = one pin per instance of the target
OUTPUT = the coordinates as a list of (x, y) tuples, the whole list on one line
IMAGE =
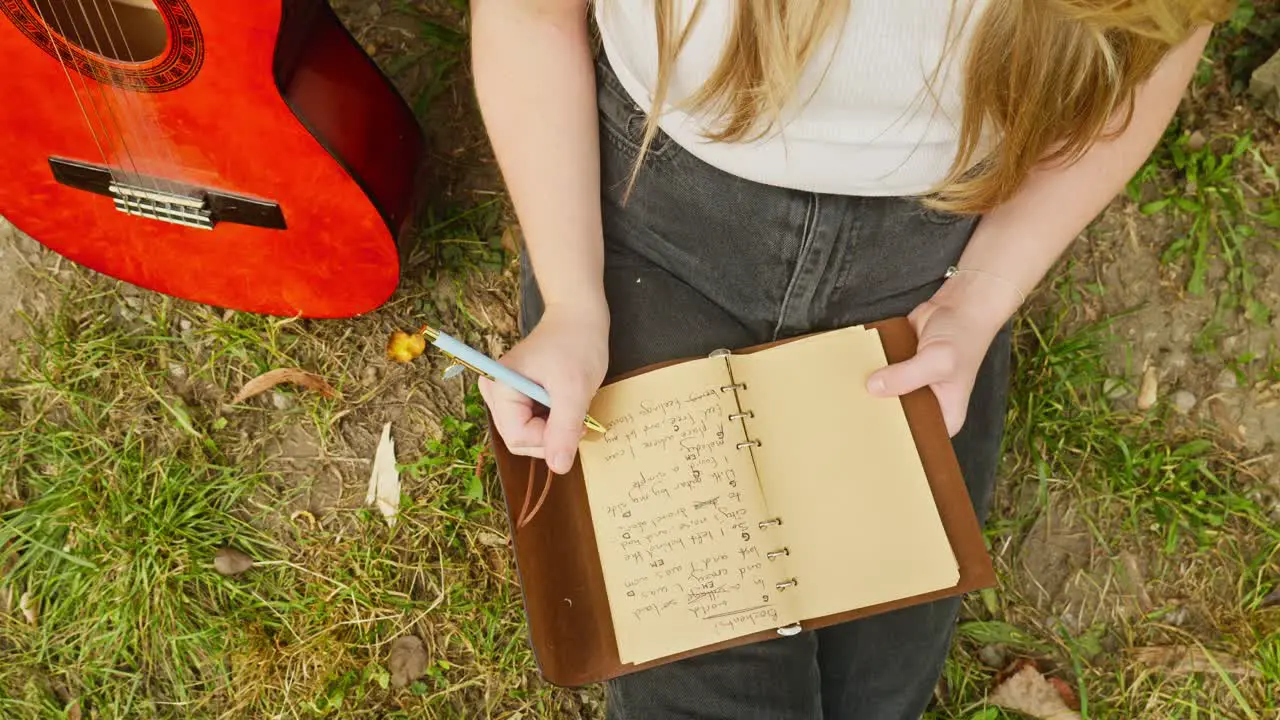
[(737, 498)]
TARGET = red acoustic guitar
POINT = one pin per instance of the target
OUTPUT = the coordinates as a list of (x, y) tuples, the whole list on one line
[(241, 153)]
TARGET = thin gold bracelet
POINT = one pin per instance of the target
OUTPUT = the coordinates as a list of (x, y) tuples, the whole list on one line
[(953, 271)]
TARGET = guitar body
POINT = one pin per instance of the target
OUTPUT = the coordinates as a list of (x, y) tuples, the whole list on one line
[(240, 153)]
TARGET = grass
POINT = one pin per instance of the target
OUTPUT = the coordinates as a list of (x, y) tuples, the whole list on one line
[(123, 470), (1202, 185), (1141, 486)]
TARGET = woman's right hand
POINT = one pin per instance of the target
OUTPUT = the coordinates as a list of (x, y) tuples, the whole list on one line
[(568, 354)]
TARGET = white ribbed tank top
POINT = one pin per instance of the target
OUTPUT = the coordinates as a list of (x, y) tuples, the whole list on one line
[(872, 125)]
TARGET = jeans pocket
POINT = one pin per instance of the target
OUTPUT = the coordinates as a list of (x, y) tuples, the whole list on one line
[(622, 118)]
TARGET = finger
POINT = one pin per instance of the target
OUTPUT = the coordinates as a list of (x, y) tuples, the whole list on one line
[(933, 363), (564, 427), (954, 402), (514, 418)]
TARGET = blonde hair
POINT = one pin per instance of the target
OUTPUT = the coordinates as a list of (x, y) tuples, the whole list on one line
[(1044, 79)]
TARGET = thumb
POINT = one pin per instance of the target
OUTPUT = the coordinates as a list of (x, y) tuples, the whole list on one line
[(564, 429), (931, 364)]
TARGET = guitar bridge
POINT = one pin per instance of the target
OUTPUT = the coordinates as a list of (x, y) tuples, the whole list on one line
[(163, 206), (197, 207)]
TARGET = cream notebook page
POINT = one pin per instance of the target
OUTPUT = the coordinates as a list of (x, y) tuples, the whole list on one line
[(675, 506), (842, 471)]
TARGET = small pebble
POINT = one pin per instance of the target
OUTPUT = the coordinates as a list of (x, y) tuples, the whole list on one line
[(281, 401), (993, 656), (1183, 401), (1177, 360), (1227, 380)]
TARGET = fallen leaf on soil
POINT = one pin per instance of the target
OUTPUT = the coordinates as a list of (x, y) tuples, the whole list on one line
[(408, 660), (384, 481), (231, 562), (272, 378), (73, 710), (30, 609), (403, 347), (1150, 389), (1030, 693), (1180, 660)]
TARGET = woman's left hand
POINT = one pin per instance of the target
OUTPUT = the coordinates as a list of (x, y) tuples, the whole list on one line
[(955, 327)]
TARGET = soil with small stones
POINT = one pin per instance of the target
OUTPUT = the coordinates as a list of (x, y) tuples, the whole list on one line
[(1060, 569)]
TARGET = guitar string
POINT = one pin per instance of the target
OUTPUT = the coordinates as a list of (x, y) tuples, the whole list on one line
[(111, 108), (107, 91), (57, 51), (174, 165), (115, 167), (131, 101)]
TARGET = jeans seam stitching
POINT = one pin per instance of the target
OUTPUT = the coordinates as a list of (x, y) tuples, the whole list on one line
[(806, 242)]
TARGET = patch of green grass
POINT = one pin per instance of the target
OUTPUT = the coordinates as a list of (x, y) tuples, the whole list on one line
[(1175, 489), (1139, 484), (1241, 44), (462, 240), (1203, 190), (122, 471)]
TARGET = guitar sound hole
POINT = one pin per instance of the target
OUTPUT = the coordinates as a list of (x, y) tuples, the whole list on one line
[(121, 30)]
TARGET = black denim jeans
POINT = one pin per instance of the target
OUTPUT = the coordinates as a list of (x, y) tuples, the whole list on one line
[(697, 259)]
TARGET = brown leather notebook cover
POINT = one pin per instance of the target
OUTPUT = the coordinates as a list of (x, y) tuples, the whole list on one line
[(557, 561)]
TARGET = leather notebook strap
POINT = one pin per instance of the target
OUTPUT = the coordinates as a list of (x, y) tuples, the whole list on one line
[(525, 513)]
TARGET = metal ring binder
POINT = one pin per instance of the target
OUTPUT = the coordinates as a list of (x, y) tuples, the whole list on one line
[(742, 416)]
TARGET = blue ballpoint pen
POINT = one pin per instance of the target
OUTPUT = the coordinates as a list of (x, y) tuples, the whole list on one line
[(477, 361)]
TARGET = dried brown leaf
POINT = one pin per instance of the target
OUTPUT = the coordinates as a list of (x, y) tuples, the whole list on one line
[(1030, 693), (231, 562), (1272, 599), (272, 378), (1181, 660), (493, 540), (73, 711), (408, 660)]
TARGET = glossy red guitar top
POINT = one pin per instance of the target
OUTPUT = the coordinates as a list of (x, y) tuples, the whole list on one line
[(241, 153)]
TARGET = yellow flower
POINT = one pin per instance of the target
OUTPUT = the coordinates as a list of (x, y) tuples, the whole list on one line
[(403, 347)]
